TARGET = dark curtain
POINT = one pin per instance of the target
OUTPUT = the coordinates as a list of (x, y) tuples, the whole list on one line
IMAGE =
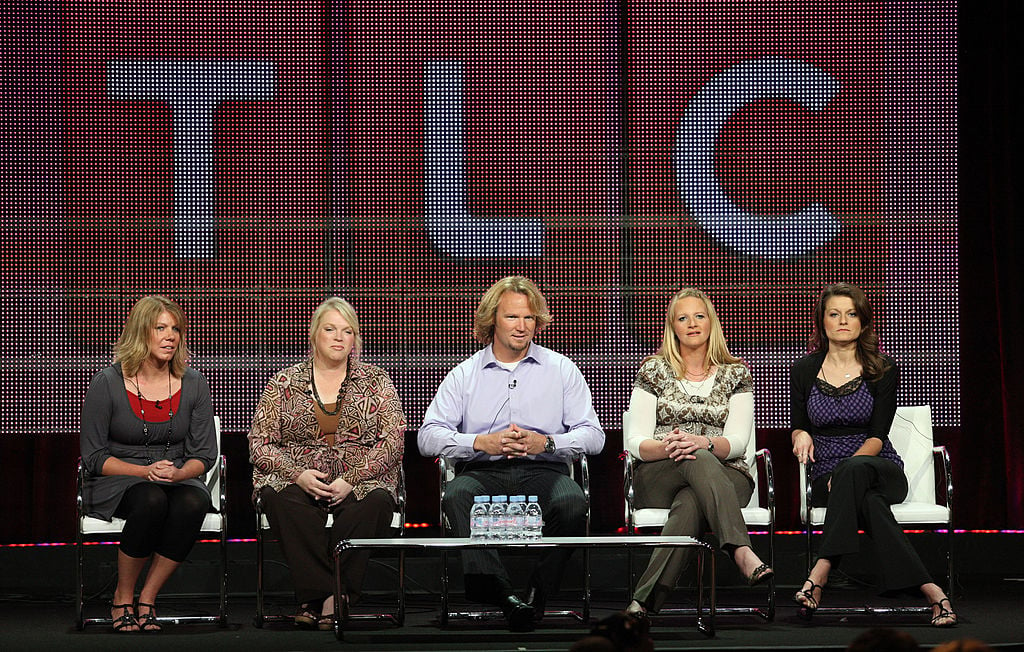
[(989, 460)]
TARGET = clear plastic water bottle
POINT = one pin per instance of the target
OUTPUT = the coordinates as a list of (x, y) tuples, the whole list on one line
[(479, 518), (533, 520), (516, 518), (498, 530)]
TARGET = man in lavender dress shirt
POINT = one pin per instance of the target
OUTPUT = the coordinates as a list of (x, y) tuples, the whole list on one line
[(512, 415)]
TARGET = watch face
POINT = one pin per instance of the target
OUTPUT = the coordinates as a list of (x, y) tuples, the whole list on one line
[(549, 446)]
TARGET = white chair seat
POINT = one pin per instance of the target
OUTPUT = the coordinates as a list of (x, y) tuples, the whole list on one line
[(905, 513), (911, 436), (396, 521), (214, 523), (91, 525)]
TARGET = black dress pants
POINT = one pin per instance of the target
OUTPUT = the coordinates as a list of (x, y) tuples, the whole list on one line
[(565, 514), (300, 525), (863, 488)]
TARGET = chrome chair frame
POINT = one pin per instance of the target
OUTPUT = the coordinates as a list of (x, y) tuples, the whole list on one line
[(214, 523), (446, 468), (756, 515), (921, 507)]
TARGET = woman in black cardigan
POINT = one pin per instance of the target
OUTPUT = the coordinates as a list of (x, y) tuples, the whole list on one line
[(147, 442), (843, 403)]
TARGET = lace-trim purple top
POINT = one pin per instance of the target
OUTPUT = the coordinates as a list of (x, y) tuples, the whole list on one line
[(848, 405)]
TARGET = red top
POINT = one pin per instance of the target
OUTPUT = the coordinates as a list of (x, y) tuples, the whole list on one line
[(154, 413)]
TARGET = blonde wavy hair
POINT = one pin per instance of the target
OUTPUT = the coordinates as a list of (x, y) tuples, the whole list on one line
[(132, 347), (718, 350), (486, 312), (347, 312)]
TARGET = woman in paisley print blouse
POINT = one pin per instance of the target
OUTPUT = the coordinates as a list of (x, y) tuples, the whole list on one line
[(327, 438), (691, 417), (843, 401)]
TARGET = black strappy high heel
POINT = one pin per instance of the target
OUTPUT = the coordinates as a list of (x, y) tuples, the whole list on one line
[(805, 598)]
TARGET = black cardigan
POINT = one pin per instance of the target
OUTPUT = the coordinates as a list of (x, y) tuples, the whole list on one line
[(802, 375)]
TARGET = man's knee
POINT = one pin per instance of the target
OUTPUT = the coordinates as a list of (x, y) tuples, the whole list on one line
[(568, 506)]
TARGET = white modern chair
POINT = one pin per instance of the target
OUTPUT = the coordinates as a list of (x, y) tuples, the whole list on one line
[(215, 524), (262, 536), (759, 515), (579, 471), (911, 436)]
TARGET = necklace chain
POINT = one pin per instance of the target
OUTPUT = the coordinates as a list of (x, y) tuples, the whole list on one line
[(147, 440), (695, 397), (316, 394)]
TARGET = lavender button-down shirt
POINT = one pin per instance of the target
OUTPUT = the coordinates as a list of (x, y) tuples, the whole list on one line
[(546, 392)]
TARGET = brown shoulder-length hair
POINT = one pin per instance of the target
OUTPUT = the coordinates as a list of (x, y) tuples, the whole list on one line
[(483, 319), (132, 347), (869, 354), (718, 350)]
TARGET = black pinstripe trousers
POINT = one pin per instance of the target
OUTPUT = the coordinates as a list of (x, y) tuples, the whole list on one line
[(561, 500)]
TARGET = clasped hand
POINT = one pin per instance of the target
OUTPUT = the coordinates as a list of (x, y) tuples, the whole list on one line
[(163, 471), (682, 445), (312, 482), (511, 442)]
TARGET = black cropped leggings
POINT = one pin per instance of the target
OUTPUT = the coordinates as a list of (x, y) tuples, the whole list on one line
[(161, 518)]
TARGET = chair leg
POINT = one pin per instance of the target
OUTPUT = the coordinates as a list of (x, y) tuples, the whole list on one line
[(259, 574), (223, 613), (79, 581)]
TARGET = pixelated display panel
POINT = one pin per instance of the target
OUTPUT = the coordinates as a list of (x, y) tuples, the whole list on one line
[(249, 159)]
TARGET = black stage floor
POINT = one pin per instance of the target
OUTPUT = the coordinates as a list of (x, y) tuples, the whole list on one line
[(991, 612), (36, 610)]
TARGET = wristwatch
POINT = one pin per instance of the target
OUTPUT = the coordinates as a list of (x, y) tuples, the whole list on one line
[(549, 445), (711, 444)]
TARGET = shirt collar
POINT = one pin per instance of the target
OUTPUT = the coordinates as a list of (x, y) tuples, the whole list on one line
[(534, 354)]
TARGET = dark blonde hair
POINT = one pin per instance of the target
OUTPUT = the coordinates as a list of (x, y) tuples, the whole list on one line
[(132, 347), (718, 350), (486, 312), (347, 312), (873, 364)]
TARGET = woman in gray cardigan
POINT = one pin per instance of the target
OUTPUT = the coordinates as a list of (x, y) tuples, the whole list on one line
[(147, 442)]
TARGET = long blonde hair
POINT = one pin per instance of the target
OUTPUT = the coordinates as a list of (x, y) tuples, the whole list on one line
[(718, 350), (132, 347), (486, 312)]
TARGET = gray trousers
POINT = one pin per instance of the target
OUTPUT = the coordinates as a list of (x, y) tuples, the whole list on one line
[(702, 495)]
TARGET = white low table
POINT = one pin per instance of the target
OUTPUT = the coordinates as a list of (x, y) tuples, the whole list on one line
[(450, 544)]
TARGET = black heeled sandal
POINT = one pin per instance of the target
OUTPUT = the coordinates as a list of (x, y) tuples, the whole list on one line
[(148, 622), (943, 614), (805, 598), (127, 618)]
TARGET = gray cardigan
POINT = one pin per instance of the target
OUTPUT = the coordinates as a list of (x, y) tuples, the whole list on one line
[(111, 429)]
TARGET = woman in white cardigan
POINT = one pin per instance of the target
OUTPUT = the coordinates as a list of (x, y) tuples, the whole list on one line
[(691, 417)]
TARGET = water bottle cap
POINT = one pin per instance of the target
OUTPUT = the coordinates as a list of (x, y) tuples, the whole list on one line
[(499, 499), (518, 499), (482, 499), (533, 499)]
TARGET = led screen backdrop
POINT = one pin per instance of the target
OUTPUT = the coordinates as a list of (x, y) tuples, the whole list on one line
[(248, 159)]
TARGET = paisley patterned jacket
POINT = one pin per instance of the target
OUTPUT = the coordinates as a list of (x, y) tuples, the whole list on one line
[(285, 439)]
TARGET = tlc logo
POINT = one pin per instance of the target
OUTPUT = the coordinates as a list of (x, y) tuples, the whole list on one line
[(194, 89)]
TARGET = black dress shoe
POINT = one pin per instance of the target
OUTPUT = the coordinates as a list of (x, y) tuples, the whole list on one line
[(518, 614)]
